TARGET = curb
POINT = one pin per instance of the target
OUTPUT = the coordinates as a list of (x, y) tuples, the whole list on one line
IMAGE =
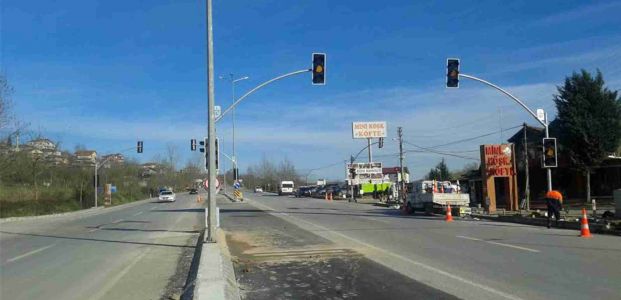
[(215, 279), (570, 225)]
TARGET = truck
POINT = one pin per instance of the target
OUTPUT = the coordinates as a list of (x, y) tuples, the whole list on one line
[(285, 188), (432, 197)]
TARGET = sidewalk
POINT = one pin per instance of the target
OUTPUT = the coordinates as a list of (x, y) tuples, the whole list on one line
[(215, 279)]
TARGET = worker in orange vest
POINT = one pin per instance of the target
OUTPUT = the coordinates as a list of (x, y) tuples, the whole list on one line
[(554, 201)]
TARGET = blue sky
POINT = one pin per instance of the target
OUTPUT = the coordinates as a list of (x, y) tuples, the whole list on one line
[(107, 73)]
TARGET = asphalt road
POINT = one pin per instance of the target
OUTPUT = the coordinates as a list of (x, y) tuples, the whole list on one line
[(468, 259), (137, 251)]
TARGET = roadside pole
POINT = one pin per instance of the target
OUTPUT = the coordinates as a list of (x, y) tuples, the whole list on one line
[(211, 132), (549, 170), (96, 183), (369, 148), (527, 183), (402, 185)]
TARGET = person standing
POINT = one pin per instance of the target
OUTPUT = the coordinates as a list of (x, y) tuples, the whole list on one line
[(554, 201)]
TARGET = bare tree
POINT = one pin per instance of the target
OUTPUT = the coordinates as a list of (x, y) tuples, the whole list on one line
[(5, 102), (172, 156)]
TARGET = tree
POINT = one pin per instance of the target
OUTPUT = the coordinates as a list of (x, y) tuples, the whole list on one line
[(440, 172), (589, 121), (5, 101)]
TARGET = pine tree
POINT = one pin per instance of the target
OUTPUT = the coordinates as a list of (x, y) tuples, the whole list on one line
[(589, 121)]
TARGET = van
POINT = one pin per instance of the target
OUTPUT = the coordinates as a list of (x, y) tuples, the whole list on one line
[(285, 188)]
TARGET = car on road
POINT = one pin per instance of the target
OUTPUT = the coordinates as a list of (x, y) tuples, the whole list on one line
[(167, 196), (258, 189), (193, 191), (303, 191), (285, 188)]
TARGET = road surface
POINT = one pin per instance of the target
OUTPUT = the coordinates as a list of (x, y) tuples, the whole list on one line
[(139, 251), (468, 259)]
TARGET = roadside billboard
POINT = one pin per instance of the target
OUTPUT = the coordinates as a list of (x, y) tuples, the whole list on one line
[(368, 130), (365, 173)]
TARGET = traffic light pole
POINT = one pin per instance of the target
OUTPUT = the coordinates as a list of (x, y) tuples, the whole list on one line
[(211, 133), (518, 101), (257, 88)]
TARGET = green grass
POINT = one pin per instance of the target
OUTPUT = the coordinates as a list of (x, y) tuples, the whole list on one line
[(19, 201)]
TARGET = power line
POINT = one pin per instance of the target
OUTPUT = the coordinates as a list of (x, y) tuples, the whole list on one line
[(474, 138), (437, 152)]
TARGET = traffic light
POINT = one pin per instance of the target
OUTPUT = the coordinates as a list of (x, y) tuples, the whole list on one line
[(381, 143), (203, 143), (319, 68), (139, 147), (452, 73), (549, 153), (193, 144)]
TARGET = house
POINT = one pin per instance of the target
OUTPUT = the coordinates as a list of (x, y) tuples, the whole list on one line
[(112, 159), (85, 158)]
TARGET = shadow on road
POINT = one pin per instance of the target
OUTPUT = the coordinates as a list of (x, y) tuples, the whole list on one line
[(196, 210), (96, 240), (149, 230)]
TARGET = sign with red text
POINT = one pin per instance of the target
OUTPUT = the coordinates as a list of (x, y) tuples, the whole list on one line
[(368, 130), (498, 160)]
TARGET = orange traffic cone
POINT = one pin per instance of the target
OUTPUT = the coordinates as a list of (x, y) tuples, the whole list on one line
[(331, 197), (584, 225), (326, 196), (449, 215)]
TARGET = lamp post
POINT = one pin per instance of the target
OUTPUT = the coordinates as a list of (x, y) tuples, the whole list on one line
[(233, 81)]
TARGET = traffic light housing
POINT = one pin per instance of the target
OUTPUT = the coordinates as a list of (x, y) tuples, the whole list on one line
[(549, 153), (319, 69), (139, 147), (452, 73), (193, 144), (381, 143)]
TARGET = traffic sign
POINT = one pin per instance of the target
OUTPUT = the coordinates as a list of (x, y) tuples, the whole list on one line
[(206, 183), (217, 111), (541, 115), (236, 185)]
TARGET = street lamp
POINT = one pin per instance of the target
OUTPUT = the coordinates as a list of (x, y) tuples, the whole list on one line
[(232, 80)]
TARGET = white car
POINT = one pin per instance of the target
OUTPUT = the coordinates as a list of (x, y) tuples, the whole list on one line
[(167, 196), (258, 189)]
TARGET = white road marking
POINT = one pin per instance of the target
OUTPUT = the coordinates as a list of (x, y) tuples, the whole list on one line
[(30, 253), (93, 230), (117, 221), (138, 213), (498, 244), (416, 263)]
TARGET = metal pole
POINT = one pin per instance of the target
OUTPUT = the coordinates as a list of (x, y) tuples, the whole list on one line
[(224, 173), (211, 131), (233, 115), (369, 148), (96, 183), (402, 183), (527, 183), (549, 170), (259, 87), (544, 123)]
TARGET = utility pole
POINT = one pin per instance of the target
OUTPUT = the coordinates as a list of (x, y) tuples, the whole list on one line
[(211, 132), (402, 185), (527, 183), (370, 152), (96, 183)]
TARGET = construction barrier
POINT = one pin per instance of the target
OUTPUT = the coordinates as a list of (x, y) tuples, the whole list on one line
[(238, 195)]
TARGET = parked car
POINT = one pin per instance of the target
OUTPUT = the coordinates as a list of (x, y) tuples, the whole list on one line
[(193, 191), (167, 196), (303, 191), (258, 189)]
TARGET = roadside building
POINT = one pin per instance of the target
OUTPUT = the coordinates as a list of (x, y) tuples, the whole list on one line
[(85, 158), (112, 159)]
